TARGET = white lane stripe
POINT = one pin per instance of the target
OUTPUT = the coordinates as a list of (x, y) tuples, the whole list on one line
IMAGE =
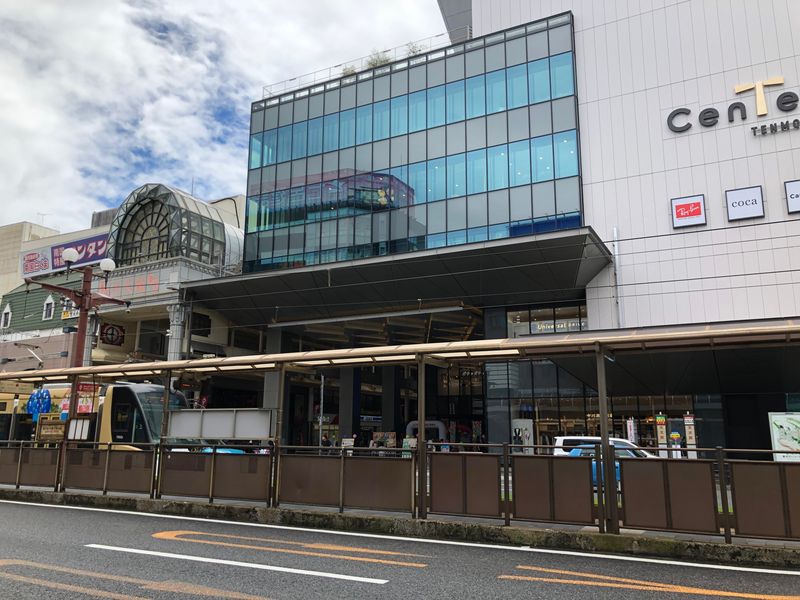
[(236, 563), (420, 540)]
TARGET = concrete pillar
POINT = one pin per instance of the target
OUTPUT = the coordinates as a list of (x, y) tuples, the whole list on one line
[(177, 323), (391, 419), (349, 402)]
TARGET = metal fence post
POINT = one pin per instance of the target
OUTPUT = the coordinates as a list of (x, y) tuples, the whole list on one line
[(269, 481), (61, 467), (612, 498), (153, 469), (506, 484), (161, 459), (598, 478), (422, 481), (19, 464), (413, 485), (276, 481), (211, 475), (341, 480), (723, 490), (105, 469)]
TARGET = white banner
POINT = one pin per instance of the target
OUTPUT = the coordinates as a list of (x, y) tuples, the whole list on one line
[(784, 428), (744, 203), (792, 195)]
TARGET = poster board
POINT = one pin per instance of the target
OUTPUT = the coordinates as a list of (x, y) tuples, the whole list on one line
[(784, 430)]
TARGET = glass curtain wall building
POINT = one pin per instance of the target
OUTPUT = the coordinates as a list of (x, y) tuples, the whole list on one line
[(474, 142)]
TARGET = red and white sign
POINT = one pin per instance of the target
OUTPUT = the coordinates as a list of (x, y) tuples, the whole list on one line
[(688, 210)]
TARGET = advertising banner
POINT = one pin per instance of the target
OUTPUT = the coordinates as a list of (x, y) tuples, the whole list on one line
[(689, 210), (744, 203), (49, 259), (784, 428), (87, 392)]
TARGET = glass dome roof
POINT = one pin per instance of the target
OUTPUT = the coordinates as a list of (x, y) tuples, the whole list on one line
[(157, 221)]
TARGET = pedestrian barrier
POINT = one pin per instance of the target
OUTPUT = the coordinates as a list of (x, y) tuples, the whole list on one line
[(549, 489), (712, 494), (9, 460), (766, 499), (465, 484), (669, 494), (346, 477)]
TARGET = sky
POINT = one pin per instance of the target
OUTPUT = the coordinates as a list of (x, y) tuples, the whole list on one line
[(98, 97)]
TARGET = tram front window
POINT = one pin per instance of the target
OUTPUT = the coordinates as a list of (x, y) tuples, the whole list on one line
[(137, 414)]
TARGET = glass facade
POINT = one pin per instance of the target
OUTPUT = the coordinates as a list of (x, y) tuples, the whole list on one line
[(474, 142)]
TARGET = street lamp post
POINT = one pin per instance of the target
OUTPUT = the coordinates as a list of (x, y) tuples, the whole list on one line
[(85, 301)]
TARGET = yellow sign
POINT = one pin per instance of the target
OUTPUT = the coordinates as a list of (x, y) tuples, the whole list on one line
[(16, 387), (761, 101), (50, 428)]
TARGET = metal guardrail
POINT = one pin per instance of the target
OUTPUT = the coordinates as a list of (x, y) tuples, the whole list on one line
[(711, 495)]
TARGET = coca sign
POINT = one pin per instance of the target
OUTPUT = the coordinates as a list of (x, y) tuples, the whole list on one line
[(688, 210)]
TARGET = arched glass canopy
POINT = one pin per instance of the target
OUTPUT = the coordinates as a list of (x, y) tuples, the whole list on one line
[(157, 221)]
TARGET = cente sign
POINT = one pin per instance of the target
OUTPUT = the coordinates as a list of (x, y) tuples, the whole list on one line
[(678, 120)]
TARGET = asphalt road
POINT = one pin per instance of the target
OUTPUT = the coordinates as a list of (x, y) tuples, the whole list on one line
[(55, 552)]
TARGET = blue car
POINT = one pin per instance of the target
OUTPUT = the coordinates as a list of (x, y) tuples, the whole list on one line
[(587, 450)]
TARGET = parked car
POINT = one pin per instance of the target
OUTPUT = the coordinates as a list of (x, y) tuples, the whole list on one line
[(565, 443), (587, 450)]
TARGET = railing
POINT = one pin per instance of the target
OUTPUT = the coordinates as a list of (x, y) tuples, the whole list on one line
[(717, 494), (417, 49)]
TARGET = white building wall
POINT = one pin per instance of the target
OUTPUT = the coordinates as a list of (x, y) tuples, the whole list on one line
[(637, 60)]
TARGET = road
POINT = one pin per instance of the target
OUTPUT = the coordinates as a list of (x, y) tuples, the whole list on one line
[(72, 553)]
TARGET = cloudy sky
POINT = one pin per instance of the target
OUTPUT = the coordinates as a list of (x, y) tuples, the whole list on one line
[(101, 96)]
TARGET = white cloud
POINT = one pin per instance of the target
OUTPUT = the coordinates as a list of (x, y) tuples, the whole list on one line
[(101, 96)]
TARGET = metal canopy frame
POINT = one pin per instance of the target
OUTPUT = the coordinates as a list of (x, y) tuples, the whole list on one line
[(778, 331)]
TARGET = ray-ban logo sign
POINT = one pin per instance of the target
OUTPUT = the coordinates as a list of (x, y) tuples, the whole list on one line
[(680, 119)]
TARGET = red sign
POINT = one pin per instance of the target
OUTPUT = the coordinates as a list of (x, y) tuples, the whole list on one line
[(34, 262), (690, 209)]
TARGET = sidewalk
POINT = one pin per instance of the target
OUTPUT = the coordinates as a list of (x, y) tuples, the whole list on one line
[(689, 547)]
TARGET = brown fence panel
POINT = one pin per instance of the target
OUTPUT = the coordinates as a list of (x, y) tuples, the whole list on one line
[(242, 476), (308, 479), (130, 471), (185, 473), (532, 488), (692, 495), (466, 484), (482, 484), (793, 498), (8, 464), (572, 490), (644, 498), (757, 499), (85, 468), (673, 494), (447, 483), (378, 483), (39, 466)]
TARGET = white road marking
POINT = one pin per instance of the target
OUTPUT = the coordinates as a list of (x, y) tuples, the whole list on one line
[(422, 540), (236, 563)]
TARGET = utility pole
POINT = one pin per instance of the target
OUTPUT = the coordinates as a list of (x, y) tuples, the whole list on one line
[(85, 301)]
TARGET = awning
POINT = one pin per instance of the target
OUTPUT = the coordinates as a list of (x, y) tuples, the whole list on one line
[(539, 268), (781, 334)]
